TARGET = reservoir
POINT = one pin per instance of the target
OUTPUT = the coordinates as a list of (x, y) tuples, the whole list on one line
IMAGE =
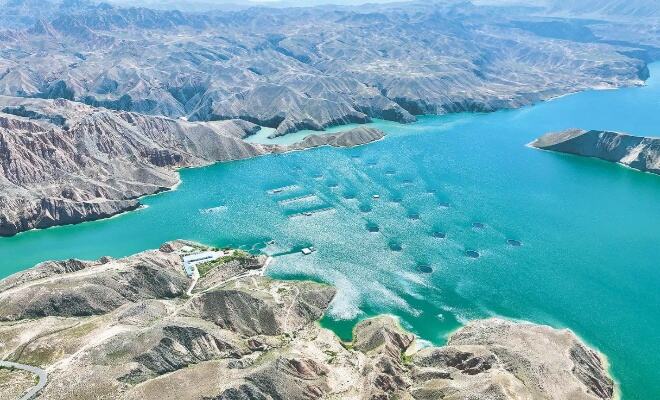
[(448, 219)]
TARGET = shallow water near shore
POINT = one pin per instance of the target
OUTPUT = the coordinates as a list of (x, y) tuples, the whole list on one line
[(589, 231)]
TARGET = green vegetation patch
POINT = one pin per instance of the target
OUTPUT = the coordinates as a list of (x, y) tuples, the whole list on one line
[(406, 359), (332, 355), (241, 256), (83, 329), (40, 357)]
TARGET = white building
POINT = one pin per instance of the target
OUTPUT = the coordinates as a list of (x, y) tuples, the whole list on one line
[(193, 260)]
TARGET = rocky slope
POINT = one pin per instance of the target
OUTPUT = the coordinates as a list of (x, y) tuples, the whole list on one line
[(640, 153), (124, 329), (304, 68), (63, 162)]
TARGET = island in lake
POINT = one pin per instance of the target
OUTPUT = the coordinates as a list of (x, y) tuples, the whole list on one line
[(640, 153)]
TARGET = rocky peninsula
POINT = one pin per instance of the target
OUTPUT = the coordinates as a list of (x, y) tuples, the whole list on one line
[(125, 328), (640, 153), (65, 162)]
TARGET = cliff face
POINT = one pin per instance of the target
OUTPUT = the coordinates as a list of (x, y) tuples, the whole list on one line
[(124, 329), (94, 163), (640, 153)]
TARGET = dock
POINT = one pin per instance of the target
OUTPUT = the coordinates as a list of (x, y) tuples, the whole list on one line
[(298, 198), (308, 250), (310, 213)]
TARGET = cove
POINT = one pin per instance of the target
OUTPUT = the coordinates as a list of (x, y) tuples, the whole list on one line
[(586, 232)]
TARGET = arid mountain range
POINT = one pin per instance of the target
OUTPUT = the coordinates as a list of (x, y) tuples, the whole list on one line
[(125, 329), (99, 100)]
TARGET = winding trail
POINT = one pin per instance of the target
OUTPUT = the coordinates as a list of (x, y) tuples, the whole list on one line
[(193, 282), (43, 377), (288, 311)]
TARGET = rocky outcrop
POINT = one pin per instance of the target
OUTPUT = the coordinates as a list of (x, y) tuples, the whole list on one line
[(295, 378), (252, 313), (351, 138), (384, 343), (640, 153), (148, 276), (136, 335), (179, 346), (502, 359)]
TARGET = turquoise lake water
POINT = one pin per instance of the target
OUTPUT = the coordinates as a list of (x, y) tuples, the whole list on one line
[(590, 230)]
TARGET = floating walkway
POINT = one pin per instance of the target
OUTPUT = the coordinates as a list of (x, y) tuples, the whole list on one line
[(310, 213), (297, 199)]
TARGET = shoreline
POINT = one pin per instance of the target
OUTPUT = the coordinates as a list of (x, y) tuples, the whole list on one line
[(287, 149), (320, 133), (411, 349)]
